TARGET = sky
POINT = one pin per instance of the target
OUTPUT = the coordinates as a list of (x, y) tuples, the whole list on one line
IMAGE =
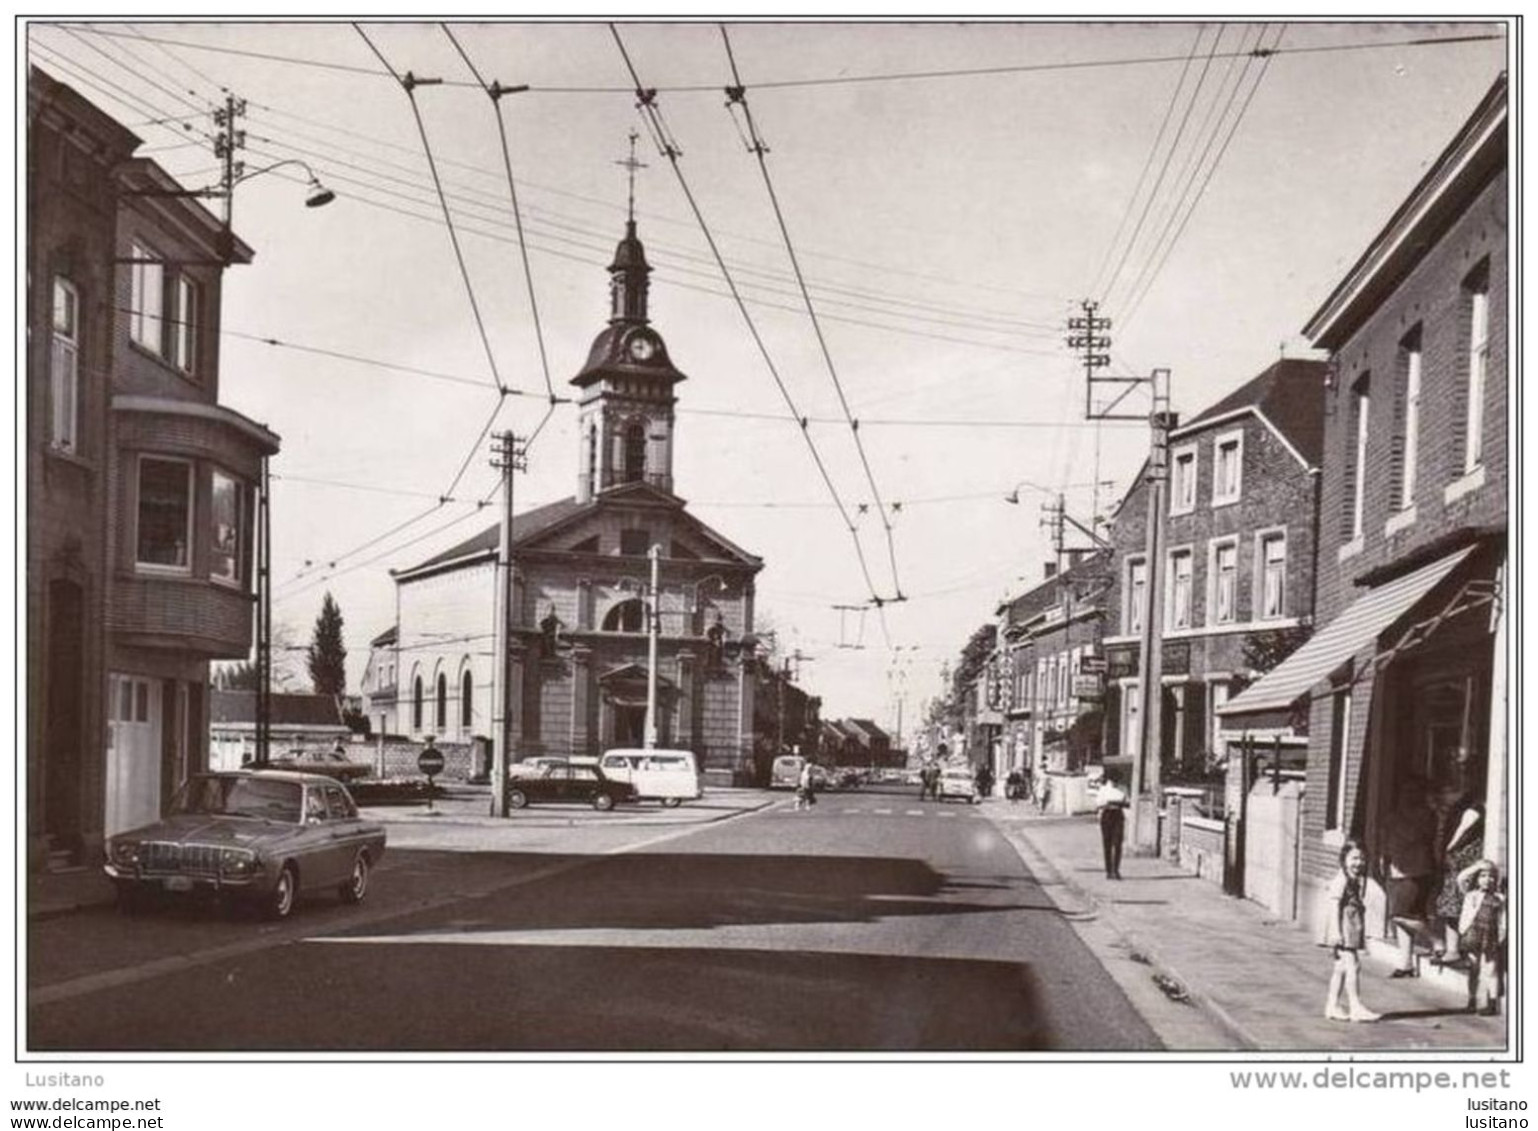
[(952, 192)]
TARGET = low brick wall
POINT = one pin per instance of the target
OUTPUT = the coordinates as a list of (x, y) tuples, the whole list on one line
[(400, 759), (1201, 847)]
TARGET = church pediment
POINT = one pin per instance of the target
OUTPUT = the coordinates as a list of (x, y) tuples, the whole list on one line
[(654, 514)]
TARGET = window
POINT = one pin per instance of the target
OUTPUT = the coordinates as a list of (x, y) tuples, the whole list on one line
[(1356, 468), (1131, 705), (441, 715), (635, 542), (1177, 608), (146, 300), (625, 616), (1227, 468), (1477, 288), (227, 553), (64, 367), (1183, 480), (1273, 575), (1218, 697), (635, 452), (1137, 594), (416, 704), (184, 328), (165, 514), (1407, 442), (466, 701), (1225, 580), (1340, 736)]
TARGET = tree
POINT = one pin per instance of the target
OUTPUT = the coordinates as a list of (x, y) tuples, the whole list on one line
[(239, 676), (327, 657)]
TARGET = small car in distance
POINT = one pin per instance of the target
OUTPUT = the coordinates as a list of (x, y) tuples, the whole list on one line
[(260, 837), (331, 763), (958, 782), (570, 782), (785, 773)]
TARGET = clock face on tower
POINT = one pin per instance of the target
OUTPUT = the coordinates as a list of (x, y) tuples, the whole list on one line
[(641, 348)]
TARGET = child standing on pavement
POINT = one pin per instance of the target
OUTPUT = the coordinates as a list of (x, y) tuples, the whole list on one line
[(1482, 933), (805, 797), (1343, 926)]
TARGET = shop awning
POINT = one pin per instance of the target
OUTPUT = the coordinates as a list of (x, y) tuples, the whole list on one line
[(1358, 625)]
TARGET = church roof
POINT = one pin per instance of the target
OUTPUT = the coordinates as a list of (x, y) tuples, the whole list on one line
[(530, 524), (609, 356)]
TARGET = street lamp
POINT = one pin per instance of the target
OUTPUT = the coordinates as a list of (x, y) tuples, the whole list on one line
[(317, 197)]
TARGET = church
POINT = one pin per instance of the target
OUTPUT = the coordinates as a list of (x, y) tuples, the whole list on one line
[(583, 593)]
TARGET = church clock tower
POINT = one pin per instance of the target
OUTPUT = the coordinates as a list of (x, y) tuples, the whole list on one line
[(626, 405)]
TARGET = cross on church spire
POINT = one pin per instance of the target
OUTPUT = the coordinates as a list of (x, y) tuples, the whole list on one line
[(630, 163)]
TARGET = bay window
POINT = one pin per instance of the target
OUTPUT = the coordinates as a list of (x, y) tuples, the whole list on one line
[(228, 506), (164, 514)]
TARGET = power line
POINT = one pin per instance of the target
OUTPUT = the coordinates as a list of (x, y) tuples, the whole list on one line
[(830, 80), (656, 126), (738, 96)]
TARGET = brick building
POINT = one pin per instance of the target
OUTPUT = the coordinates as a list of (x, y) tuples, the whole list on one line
[(1238, 568), (1406, 676), (140, 485), (582, 589)]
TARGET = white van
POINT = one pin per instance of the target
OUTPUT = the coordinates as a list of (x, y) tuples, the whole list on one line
[(786, 771), (668, 776)]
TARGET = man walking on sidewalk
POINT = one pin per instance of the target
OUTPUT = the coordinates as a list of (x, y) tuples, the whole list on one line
[(1113, 808)]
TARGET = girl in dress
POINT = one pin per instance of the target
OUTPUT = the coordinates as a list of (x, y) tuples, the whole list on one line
[(1482, 933), (1343, 927), (1462, 848)]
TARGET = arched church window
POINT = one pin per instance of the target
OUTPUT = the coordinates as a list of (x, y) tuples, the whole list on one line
[(627, 616), (466, 701), (635, 451), (442, 715), (416, 704)]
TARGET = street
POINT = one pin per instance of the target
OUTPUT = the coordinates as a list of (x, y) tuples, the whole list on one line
[(873, 922)]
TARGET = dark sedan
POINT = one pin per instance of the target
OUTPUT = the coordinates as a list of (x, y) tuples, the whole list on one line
[(260, 837), (331, 763), (586, 784)]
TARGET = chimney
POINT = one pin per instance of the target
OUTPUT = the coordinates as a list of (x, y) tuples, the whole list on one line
[(1049, 571)]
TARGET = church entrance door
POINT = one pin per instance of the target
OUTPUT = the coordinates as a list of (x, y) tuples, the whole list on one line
[(629, 725)]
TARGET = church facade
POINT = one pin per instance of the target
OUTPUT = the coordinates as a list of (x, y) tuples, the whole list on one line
[(582, 590)]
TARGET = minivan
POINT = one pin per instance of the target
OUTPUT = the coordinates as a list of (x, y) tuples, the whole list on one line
[(668, 776), (786, 771)]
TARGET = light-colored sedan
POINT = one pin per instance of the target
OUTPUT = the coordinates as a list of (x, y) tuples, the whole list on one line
[(958, 782)]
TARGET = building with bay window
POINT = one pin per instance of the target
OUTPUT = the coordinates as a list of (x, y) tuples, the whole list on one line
[(140, 484)]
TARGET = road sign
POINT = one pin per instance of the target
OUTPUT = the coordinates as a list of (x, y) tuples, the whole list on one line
[(430, 761)]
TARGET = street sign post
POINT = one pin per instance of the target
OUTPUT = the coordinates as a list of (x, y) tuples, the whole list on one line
[(430, 762)]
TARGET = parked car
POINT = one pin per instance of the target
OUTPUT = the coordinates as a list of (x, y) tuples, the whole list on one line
[(258, 836), (570, 782), (668, 776), (533, 767), (957, 781), (331, 763)]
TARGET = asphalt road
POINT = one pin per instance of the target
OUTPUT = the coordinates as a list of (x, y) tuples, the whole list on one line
[(873, 922)]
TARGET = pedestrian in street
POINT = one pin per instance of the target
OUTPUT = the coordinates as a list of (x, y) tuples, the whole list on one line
[(806, 793), (1113, 821), (1342, 926), (1409, 863), (1482, 934), (984, 780), (1043, 791)]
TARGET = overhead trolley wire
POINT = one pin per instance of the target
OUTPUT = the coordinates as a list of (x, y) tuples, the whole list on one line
[(737, 95), (829, 80), (651, 116)]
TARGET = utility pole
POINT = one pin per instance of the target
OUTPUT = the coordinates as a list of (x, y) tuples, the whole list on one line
[(653, 625), (263, 753), (1088, 334), (509, 455), (226, 142)]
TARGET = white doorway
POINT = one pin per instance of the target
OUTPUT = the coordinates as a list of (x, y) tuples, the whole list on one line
[(133, 752)]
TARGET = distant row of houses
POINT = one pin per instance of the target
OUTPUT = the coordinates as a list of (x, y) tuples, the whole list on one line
[(1334, 578)]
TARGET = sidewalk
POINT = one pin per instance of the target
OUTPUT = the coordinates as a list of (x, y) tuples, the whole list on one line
[(1261, 980)]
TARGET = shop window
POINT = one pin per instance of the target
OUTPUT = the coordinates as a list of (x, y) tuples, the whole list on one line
[(165, 514), (64, 367)]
